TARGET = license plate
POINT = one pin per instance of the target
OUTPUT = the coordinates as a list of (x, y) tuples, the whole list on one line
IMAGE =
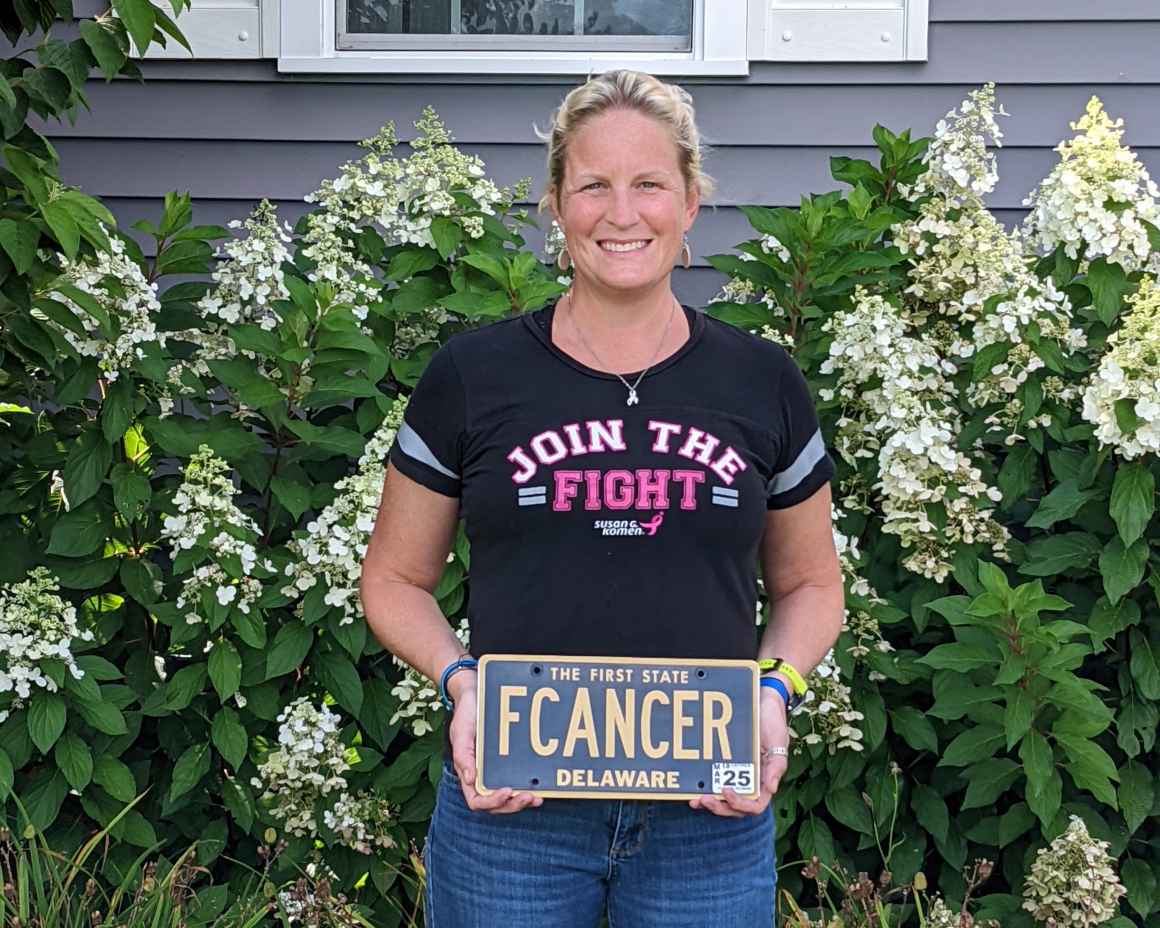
[(609, 727)]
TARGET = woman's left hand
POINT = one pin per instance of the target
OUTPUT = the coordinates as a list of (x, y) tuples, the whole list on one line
[(774, 733)]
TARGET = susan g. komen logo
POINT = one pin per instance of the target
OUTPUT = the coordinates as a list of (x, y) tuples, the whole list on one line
[(629, 526)]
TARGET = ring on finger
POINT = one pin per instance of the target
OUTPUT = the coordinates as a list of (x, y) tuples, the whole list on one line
[(776, 750)]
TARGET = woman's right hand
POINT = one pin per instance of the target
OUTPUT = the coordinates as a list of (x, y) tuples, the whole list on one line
[(462, 687)]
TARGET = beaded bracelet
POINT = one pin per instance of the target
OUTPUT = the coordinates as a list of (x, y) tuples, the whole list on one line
[(460, 664)]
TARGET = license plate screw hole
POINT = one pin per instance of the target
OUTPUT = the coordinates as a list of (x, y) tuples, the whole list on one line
[(700, 784), (701, 673), (537, 670), (535, 781)]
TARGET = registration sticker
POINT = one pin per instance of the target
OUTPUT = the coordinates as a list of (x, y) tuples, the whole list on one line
[(606, 727), (738, 777)]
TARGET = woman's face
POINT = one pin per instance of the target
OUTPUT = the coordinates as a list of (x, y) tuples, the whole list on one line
[(623, 203)]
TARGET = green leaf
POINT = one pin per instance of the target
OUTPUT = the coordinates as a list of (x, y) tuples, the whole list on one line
[(225, 668), (243, 377), (931, 811), (1014, 822), (87, 464), (74, 760), (848, 807), (43, 797), (1108, 620), (410, 262), (447, 235), (1017, 473), (986, 781), (79, 532), (98, 667), (7, 776), (1063, 502), (960, 656), (914, 728), (1144, 666), (289, 650), (1140, 881), (47, 714), (1058, 554), (492, 267), (30, 171), (236, 798), (104, 47), (1108, 283), (1018, 715), (229, 736), (341, 680), (190, 768), (131, 491), (972, 745), (1133, 500), (294, 496), (64, 228), (115, 778), (19, 240), (1137, 794), (102, 716), (331, 438), (117, 410), (1090, 767), (1122, 568), (140, 19)]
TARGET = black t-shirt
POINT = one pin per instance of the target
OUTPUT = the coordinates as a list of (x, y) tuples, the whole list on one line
[(603, 529)]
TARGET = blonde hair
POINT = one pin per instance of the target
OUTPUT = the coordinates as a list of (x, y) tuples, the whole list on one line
[(669, 104)]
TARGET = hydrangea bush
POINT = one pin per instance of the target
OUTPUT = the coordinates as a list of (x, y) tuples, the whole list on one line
[(192, 471), (990, 396)]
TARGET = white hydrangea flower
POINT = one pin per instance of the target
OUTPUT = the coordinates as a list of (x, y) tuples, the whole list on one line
[(402, 198), (900, 407), (360, 822), (1096, 197), (1126, 385), (132, 314), (208, 518), (307, 766), (828, 708), (332, 548), (250, 277), (1073, 883), (418, 697), (960, 168), (35, 625)]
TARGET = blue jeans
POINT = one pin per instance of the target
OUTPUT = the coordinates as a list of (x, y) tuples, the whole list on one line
[(653, 864)]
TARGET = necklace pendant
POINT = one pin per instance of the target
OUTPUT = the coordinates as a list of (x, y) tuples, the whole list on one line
[(632, 397)]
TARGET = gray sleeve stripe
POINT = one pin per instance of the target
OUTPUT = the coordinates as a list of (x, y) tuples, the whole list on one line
[(789, 478), (414, 447)]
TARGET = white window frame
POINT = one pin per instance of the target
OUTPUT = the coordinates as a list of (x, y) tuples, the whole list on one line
[(727, 36), (308, 44)]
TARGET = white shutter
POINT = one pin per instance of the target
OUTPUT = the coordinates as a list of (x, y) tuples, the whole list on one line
[(219, 29), (837, 30)]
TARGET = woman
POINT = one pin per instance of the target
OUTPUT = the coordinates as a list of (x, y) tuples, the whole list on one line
[(622, 463)]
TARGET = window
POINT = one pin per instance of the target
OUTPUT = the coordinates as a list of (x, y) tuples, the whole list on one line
[(529, 37), (523, 25)]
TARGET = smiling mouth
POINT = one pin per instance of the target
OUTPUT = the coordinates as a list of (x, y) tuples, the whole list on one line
[(618, 248)]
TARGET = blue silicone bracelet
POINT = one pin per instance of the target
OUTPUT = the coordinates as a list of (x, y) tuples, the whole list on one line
[(775, 684), (463, 662)]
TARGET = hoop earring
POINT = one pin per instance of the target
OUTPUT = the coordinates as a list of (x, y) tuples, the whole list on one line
[(563, 260), (688, 253)]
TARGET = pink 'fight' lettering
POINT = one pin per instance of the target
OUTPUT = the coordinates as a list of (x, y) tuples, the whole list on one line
[(644, 489)]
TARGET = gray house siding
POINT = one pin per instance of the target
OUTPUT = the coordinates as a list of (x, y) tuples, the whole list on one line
[(232, 132)]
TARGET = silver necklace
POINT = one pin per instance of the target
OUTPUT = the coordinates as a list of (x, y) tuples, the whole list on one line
[(633, 399)]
